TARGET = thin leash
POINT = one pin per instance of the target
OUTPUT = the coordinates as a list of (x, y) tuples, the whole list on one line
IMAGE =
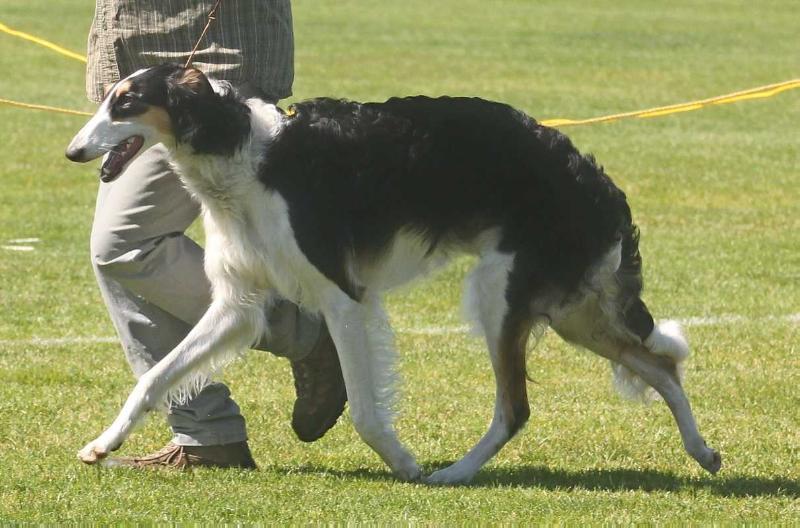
[(211, 18)]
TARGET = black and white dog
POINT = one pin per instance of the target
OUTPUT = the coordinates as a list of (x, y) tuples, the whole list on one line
[(333, 203)]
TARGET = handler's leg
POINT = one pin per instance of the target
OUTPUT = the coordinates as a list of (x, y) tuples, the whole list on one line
[(152, 279)]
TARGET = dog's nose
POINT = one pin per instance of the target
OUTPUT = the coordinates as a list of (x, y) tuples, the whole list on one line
[(74, 154)]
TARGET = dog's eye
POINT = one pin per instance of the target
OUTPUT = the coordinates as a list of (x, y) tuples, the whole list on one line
[(126, 105), (126, 100)]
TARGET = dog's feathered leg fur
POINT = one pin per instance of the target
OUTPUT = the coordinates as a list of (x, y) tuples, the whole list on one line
[(660, 372), (667, 340), (642, 355), (365, 372), (506, 335)]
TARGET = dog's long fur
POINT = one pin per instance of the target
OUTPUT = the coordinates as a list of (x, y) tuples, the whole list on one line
[(335, 202)]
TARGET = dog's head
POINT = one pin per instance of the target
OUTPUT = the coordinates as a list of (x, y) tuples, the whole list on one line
[(166, 104)]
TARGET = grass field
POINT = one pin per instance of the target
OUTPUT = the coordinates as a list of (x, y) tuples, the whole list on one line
[(715, 192)]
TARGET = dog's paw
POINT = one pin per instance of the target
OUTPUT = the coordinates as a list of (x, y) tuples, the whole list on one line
[(406, 468), (98, 449), (93, 452), (449, 476), (713, 462), (404, 465), (411, 473), (709, 459)]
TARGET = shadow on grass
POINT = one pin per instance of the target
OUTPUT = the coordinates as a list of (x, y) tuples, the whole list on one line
[(636, 480), (592, 479)]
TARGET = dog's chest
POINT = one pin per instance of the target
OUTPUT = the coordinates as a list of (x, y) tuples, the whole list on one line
[(252, 248)]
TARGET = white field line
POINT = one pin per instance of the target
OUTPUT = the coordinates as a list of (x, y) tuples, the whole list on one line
[(20, 244), (18, 248), (51, 341), (722, 320), (719, 320), (738, 319)]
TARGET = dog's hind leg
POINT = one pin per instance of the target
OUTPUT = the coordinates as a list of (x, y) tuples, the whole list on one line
[(506, 331), (224, 331), (364, 344), (659, 370), (612, 321)]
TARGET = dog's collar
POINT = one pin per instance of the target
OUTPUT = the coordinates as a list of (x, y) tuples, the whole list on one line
[(290, 111)]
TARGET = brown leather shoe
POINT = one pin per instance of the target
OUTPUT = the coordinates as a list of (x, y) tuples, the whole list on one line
[(319, 385), (173, 456)]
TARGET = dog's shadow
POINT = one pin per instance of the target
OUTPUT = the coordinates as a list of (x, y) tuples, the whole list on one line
[(636, 480), (592, 479)]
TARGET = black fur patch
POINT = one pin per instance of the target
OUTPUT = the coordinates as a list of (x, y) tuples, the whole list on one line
[(129, 104), (210, 123), (447, 168)]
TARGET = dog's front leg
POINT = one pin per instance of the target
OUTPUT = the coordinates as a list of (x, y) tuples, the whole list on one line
[(347, 322), (225, 330)]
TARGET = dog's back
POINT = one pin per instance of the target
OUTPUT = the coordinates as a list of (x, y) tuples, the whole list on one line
[(446, 170)]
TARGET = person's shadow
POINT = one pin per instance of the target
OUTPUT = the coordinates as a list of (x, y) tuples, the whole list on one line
[(543, 477)]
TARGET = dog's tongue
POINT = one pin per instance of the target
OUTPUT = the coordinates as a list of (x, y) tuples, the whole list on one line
[(116, 159), (112, 166)]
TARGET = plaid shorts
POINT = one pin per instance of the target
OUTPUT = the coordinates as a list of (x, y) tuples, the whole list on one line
[(250, 41)]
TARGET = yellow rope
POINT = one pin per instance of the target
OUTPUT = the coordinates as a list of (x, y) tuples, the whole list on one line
[(42, 42), (759, 92), (44, 107)]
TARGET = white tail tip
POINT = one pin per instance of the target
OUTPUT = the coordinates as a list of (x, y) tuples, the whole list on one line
[(666, 339)]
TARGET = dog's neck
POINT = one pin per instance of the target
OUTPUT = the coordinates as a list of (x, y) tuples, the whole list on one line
[(217, 179)]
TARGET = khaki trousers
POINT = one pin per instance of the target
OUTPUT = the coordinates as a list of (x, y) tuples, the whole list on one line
[(151, 278)]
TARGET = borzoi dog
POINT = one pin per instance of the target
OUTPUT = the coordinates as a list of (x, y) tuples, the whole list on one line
[(332, 203)]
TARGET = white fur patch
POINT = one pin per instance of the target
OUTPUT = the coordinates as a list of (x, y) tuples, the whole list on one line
[(666, 339), (407, 258), (382, 357), (630, 386), (483, 302)]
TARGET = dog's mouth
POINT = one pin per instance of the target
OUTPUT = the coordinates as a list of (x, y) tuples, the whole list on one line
[(118, 157)]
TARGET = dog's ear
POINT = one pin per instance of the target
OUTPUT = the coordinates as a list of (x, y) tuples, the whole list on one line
[(210, 122), (187, 91), (188, 82)]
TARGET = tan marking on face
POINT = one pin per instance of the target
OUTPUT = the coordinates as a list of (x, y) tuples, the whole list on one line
[(122, 88), (158, 118)]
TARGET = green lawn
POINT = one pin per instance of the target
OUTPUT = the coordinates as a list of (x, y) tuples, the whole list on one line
[(716, 193)]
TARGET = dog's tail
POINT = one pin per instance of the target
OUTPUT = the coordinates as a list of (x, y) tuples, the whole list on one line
[(665, 339)]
